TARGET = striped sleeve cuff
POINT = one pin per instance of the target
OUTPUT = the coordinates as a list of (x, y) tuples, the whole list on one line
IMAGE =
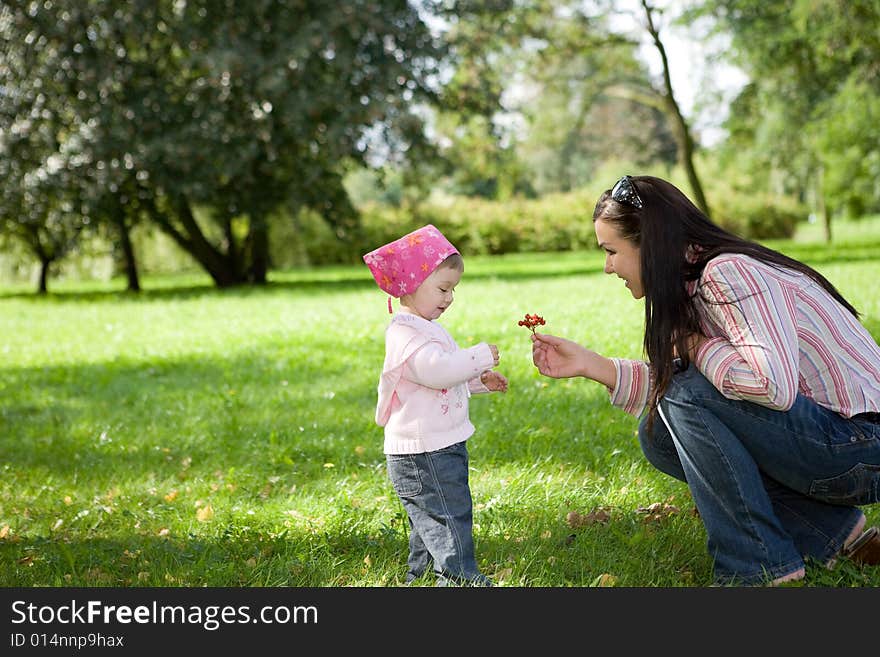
[(631, 387)]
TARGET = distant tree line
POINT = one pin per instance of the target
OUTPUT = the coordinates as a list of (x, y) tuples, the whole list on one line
[(204, 119)]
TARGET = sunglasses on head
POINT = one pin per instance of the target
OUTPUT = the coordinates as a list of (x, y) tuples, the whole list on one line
[(624, 191)]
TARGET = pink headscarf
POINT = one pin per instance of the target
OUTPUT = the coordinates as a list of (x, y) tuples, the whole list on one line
[(399, 267)]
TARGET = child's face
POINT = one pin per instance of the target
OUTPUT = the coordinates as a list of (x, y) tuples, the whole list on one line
[(434, 295)]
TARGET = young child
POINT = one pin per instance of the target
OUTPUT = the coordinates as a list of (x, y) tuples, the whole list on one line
[(423, 404)]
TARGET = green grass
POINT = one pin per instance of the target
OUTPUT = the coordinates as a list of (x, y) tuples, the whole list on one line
[(191, 437)]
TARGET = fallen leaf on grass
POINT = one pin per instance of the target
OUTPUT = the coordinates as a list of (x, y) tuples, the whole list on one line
[(4, 531), (605, 580), (575, 519), (205, 514), (658, 511), (503, 574), (99, 577)]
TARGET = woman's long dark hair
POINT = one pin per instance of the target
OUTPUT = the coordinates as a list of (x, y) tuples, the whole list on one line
[(676, 240)]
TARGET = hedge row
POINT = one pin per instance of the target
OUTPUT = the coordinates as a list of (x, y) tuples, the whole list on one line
[(476, 226)]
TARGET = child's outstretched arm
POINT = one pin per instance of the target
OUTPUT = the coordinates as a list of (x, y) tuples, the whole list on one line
[(433, 367)]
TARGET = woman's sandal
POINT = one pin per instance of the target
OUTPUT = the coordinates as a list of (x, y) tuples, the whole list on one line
[(865, 550)]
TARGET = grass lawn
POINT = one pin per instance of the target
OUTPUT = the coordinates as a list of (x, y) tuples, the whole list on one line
[(190, 437)]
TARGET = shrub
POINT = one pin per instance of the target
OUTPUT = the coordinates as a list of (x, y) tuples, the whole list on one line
[(558, 222), (759, 216)]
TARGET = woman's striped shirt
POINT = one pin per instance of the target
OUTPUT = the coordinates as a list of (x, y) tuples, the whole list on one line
[(773, 333)]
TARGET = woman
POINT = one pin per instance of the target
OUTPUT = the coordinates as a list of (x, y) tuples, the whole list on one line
[(765, 383)]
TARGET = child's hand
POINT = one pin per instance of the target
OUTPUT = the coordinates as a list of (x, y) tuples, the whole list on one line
[(494, 381)]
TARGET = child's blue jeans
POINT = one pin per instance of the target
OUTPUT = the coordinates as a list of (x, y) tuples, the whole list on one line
[(434, 489), (772, 487)]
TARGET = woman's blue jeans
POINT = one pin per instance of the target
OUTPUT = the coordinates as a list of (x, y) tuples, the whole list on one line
[(773, 488)]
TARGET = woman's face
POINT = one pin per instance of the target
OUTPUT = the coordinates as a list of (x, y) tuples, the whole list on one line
[(622, 257)]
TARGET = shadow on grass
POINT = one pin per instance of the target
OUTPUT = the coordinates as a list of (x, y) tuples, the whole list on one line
[(546, 553), (248, 411), (626, 551), (274, 413)]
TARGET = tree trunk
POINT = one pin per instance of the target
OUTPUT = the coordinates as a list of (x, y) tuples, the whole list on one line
[(219, 267), (131, 271), (680, 129), (233, 254), (259, 251), (821, 206), (826, 217), (43, 286), (301, 255)]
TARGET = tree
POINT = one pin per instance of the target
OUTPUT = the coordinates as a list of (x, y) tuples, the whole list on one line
[(660, 95), (577, 76), (213, 113), (43, 223), (810, 113), (584, 78), (680, 127), (39, 205)]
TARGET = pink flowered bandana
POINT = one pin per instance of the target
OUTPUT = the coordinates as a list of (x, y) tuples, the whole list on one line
[(400, 266)]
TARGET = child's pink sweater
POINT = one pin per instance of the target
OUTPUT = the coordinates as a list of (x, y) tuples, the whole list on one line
[(425, 385)]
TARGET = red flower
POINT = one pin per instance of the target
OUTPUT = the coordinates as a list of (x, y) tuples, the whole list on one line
[(531, 321)]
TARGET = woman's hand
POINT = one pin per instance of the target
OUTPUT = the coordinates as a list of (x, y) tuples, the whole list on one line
[(561, 359), (557, 357)]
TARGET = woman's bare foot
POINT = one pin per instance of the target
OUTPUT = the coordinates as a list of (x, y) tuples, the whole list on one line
[(799, 574), (791, 577)]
